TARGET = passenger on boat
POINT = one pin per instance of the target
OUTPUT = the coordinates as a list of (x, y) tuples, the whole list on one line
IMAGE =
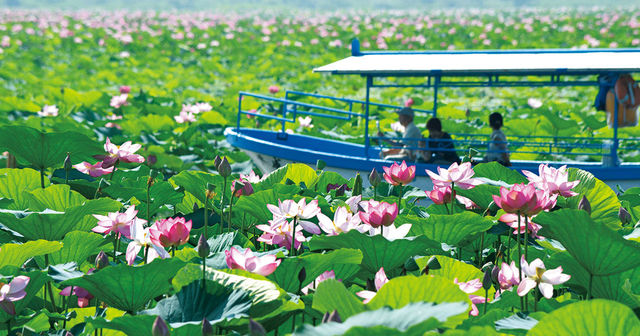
[(497, 149), (409, 141), (441, 149)]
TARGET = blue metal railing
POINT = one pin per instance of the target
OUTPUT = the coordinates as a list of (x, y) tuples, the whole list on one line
[(560, 145), (349, 100)]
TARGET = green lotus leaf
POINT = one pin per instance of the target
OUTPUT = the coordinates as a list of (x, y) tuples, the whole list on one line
[(45, 150), (451, 269), (77, 246), (256, 204), (413, 319), (137, 325), (54, 226), (331, 295), (603, 200), (325, 178), (377, 251), (592, 317), (196, 182), (299, 172), (17, 254), (129, 288), (449, 229), (314, 265), (58, 197), (600, 250), (497, 172), (611, 287), (481, 195), (192, 304), (14, 182)]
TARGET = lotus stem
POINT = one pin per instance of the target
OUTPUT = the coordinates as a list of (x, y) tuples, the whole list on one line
[(520, 259), (230, 208), (481, 249), (526, 239), (115, 166), (293, 236), (173, 251), (509, 246), (447, 207), (203, 274), (536, 297), (486, 298), (224, 191), (399, 188), (148, 203), (114, 248), (42, 177), (590, 286), (453, 196), (50, 288), (146, 253), (206, 218)]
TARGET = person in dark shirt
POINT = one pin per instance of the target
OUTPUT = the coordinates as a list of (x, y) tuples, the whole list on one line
[(440, 149)]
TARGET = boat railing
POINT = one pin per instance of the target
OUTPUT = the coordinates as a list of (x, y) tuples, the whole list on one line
[(598, 148), (351, 102)]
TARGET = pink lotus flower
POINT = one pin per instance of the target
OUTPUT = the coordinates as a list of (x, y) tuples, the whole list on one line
[(289, 209), (534, 103), (352, 203), (508, 276), (119, 222), (203, 107), (141, 238), (48, 111), (305, 122), (320, 278), (379, 280), (470, 287), (520, 198), (125, 89), (241, 187), (409, 102), (552, 180), (185, 117), (273, 89), (84, 297), (460, 175), (95, 170), (537, 275), (512, 221), (399, 174), (343, 221), (170, 232), (252, 177), (378, 214), (124, 153), (119, 100), (12, 292), (279, 232), (440, 195), (247, 261)]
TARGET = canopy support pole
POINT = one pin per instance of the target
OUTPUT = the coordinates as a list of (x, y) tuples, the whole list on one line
[(366, 117), (436, 83), (614, 148)]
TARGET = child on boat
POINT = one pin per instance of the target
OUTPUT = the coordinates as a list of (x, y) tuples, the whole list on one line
[(409, 141), (497, 149), (441, 149)]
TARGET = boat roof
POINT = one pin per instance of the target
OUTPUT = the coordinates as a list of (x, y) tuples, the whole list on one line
[(487, 62)]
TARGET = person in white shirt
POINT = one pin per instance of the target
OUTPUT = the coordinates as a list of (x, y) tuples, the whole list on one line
[(410, 138)]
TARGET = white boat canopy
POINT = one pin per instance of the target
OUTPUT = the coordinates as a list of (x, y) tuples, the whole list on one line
[(489, 62)]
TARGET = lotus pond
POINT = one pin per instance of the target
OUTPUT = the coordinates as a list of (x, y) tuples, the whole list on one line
[(124, 211)]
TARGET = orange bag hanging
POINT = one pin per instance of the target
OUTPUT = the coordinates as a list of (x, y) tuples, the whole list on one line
[(628, 93)]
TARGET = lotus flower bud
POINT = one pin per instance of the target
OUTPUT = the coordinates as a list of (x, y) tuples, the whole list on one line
[(256, 329), (374, 178), (320, 164), (486, 280), (624, 215), (207, 329), (125, 89), (67, 162), (203, 247), (152, 176), (411, 265), (102, 260), (584, 205), (332, 317), (152, 159), (224, 169), (357, 186), (432, 264), (159, 327), (302, 275), (217, 161)]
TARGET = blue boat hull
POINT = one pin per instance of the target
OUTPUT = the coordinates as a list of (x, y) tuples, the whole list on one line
[(350, 156)]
